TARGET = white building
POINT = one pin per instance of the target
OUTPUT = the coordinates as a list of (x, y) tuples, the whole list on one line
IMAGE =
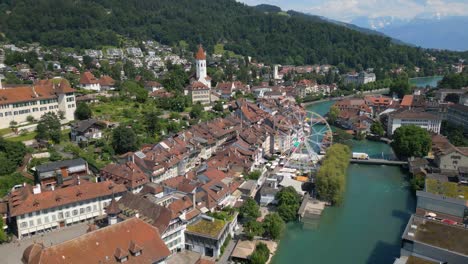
[(359, 79), (34, 210), (17, 103), (424, 120)]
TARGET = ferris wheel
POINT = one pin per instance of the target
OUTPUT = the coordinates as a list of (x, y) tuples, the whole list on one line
[(304, 137)]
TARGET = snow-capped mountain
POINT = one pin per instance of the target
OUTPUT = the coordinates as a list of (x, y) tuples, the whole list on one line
[(426, 30)]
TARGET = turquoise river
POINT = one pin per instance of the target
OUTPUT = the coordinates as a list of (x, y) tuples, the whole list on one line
[(367, 227)]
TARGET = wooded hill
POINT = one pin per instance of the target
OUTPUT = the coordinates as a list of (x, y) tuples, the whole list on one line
[(272, 37)]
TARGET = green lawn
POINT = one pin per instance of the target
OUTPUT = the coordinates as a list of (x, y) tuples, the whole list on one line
[(5, 131), (23, 137)]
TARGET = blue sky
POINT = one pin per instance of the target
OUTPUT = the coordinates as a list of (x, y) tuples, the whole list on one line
[(346, 10)]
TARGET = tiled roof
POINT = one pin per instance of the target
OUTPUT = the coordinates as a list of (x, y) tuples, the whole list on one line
[(106, 80), (104, 246), (88, 78), (23, 200), (410, 114), (406, 101), (198, 86), (41, 90), (157, 215), (52, 166), (128, 174)]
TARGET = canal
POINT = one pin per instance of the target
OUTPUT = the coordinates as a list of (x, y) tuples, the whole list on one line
[(367, 227)]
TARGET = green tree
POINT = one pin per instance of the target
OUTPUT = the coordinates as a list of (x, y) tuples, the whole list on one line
[(197, 111), (218, 107), (273, 225), (48, 127), (411, 141), (331, 178), (254, 175), (400, 87), (83, 111), (253, 228), (417, 182), (124, 140), (14, 151), (260, 255), (249, 209), (377, 129), (333, 114), (288, 203), (152, 122), (6, 165)]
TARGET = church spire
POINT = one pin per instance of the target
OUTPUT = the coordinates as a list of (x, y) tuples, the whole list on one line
[(200, 55)]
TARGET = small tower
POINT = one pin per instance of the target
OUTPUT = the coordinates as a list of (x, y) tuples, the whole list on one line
[(112, 210), (200, 59)]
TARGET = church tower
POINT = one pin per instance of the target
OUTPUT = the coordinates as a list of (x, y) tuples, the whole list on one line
[(200, 59)]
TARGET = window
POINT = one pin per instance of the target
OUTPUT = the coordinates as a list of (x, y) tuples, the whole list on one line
[(75, 212), (67, 214), (82, 210), (39, 221), (54, 218), (88, 209), (46, 219), (31, 223), (95, 207), (24, 224), (60, 215)]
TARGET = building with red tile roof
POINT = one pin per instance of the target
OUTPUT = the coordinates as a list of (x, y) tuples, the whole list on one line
[(89, 82), (33, 209), (130, 241), (407, 101), (51, 95), (128, 174)]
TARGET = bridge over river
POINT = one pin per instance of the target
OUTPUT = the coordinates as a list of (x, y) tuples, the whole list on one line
[(379, 162)]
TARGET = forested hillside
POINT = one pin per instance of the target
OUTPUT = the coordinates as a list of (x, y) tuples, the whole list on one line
[(270, 37)]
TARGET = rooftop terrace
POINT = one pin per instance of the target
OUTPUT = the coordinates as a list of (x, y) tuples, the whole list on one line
[(207, 228), (448, 189), (438, 234)]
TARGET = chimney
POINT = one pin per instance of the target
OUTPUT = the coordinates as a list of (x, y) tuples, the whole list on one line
[(137, 215), (37, 189), (52, 187), (78, 180)]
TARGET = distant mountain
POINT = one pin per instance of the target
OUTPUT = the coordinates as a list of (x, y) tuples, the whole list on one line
[(428, 32), (378, 23), (272, 37)]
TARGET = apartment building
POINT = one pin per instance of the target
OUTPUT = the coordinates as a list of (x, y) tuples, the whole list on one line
[(52, 95), (404, 117), (33, 210)]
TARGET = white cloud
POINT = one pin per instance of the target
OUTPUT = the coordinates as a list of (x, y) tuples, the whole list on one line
[(346, 10)]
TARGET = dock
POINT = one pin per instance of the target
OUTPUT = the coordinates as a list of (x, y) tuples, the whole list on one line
[(379, 162)]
